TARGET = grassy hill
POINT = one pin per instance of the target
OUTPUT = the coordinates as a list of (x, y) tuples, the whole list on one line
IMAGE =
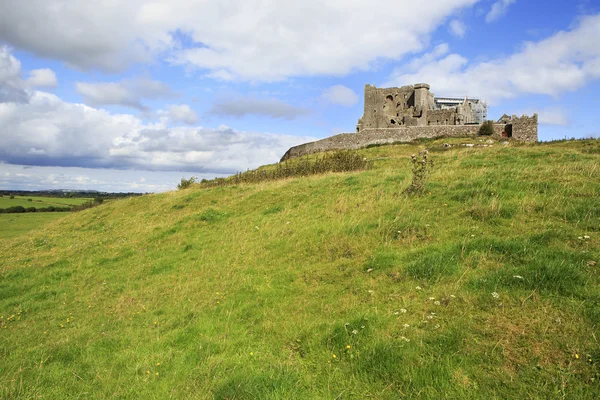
[(334, 286)]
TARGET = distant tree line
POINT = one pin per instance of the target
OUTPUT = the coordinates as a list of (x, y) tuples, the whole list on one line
[(68, 194), (21, 209)]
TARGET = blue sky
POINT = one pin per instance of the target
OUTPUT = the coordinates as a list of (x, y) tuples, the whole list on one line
[(134, 96)]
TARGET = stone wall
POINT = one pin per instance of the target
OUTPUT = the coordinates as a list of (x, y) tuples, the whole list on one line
[(353, 141), (525, 128), (522, 129)]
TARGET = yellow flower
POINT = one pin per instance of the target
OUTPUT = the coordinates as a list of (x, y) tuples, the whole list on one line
[(157, 364), (156, 373), (148, 372), (348, 347), (251, 353), (334, 356), (577, 356)]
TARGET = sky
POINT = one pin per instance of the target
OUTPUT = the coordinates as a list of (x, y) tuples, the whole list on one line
[(133, 95)]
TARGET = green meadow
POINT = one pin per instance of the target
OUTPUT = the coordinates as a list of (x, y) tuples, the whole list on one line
[(40, 201), (13, 225), (333, 286)]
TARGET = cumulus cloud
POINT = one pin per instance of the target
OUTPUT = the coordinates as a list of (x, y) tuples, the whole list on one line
[(12, 86), (561, 63), (247, 39), (42, 78), (180, 113), (340, 95), (50, 132), (553, 116), (499, 8), (457, 28), (238, 106), (128, 92)]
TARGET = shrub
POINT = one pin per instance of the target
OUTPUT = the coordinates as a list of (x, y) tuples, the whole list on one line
[(421, 166), (486, 129), (98, 200), (12, 196), (186, 183), (339, 161)]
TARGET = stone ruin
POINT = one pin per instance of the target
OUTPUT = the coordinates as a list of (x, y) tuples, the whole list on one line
[(415, 105), (412, 112)]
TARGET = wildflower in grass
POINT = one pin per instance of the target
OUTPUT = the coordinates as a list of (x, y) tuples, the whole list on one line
[(148, 372), (405, 339), (437, 326), (347, 323), (432, 298), (577, 356), (586, 237), (396, 313), (370, 291), (157, 364), (430, 317), (518, 277), (334, 356), (495, 295), (370, 270), (418, 288), (403, 310), (251, 353), (437, 303), (453, 296), (348, 347), (406, 325), (156, 373), (362, 327), (355, 332)]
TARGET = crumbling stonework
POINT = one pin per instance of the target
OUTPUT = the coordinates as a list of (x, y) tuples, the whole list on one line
[(412, 112)]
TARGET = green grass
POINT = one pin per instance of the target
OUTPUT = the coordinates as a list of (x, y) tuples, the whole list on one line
[(40, 201), (332, 286), (13, 225)]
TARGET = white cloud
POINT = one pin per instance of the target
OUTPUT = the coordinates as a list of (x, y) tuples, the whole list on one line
[(340, 95), (49, 131), (499, 8), (180, 113), (44, 130), (553, 116), (561, 63), (12, 87), (457, 28), (42, 78), (125, 93), (246, 39), (239, 106)]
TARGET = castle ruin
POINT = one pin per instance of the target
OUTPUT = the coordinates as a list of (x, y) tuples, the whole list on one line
[(412, 112), (415, 105)]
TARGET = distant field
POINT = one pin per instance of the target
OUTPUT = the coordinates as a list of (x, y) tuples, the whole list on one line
[(13, 225), (40, 202)]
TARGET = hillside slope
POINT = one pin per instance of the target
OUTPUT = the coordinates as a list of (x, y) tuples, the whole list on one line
[(331, 286)]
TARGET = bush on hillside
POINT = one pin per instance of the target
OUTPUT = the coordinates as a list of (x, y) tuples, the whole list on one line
[(186, 183), (339, 161), (486, 129)]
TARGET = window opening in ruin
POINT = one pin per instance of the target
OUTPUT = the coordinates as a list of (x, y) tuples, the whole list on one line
[(390, 97), (507, 131), (393, 122)]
